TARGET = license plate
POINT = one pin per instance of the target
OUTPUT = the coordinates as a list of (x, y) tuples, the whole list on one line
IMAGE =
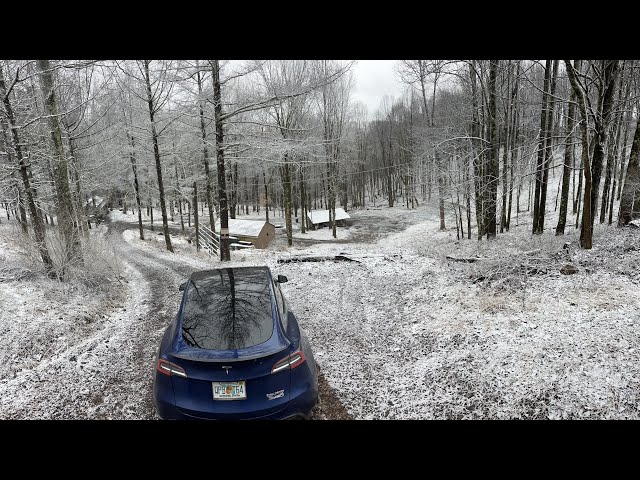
[(229, 390)]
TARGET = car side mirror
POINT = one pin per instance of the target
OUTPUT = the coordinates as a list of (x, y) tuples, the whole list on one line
[(182, 286), (282, 279)]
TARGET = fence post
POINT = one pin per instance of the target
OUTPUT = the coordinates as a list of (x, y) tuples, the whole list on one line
[(195, 214)]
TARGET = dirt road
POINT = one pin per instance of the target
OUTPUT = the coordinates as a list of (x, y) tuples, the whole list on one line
[(163, 276), (107, 373)]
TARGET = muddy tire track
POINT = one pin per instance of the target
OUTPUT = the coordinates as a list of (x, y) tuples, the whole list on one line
[(163, 276)]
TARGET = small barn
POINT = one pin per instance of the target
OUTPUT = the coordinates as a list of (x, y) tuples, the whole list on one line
[(258, 232), (320, 218), (96, 208), (97, 203)]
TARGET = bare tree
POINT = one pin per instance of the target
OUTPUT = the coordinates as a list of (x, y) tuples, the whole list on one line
[(282, 77), (155, 101), (200, 77), (630, 198), (60, 168), (128, 124), (333, 104), (36, 219), (538, 203), (493, 172), (607, 71), (224, 116), (568, 164)]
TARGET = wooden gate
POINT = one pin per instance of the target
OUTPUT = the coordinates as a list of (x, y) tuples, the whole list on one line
[(209, 241)]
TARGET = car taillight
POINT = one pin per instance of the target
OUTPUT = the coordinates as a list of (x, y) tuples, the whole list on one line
[(169, 368), (292, 361)]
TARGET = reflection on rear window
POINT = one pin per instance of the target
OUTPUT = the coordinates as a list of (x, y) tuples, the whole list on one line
[(227, 309)]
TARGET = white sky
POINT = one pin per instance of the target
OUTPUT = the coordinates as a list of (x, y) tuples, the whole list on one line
[(373, 80)]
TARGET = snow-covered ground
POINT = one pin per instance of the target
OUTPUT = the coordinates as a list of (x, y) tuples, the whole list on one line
[(403, 332), (324, 234), (414, 337), (63, 343), (407, 333)]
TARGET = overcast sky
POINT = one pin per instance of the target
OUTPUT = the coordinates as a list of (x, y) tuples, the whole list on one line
[(374, 79)]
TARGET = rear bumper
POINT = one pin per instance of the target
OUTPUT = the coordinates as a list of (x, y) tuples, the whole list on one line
[(298, 407)]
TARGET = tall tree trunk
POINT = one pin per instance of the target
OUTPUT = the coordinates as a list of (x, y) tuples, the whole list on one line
[(4, 147), (515, 149), (136, 184), (609, 173), (23, 213), (61, 175), (36, 219), (178, 197), (613, 150), (606, 93), (234, 191), (390, 185), (440, 188), (303, 203), (629, 119), (286, 183), (231, 193), (467, 195), (266, 195), (195, 215), (568, 163), (493, 173), (508, 129), (537, 228), (613, 189), (225, 254), (156, 154), (579, 191), (548, 155), (505, 169), (205, 151), (334, 167), (150, 207), (76, 194), (423, 76), (476, 151), (586, 232), (630, 197)]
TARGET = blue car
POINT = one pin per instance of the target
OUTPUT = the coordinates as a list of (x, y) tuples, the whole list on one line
[(234, 351)]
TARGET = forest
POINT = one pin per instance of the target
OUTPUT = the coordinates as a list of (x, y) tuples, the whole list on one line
[(481, 138), (490, 256)]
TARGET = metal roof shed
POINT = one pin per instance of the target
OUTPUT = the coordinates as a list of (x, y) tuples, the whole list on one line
[(321, 217)]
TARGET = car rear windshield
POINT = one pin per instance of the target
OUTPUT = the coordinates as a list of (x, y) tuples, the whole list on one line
[(227, 309)]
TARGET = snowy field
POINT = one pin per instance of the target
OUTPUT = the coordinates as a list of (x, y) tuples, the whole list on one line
[(402, 332), (406, 333)]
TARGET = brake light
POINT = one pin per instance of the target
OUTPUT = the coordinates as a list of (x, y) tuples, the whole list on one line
[(168, 368), (292, 361)]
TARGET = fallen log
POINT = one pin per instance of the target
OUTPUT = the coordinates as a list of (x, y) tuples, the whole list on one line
[(463, 259), (316, 258), (371, 255)]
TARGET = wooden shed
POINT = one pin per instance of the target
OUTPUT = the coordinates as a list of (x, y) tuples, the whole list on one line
[(258, 232), (320, 218), (96, 209), (96, 204)]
